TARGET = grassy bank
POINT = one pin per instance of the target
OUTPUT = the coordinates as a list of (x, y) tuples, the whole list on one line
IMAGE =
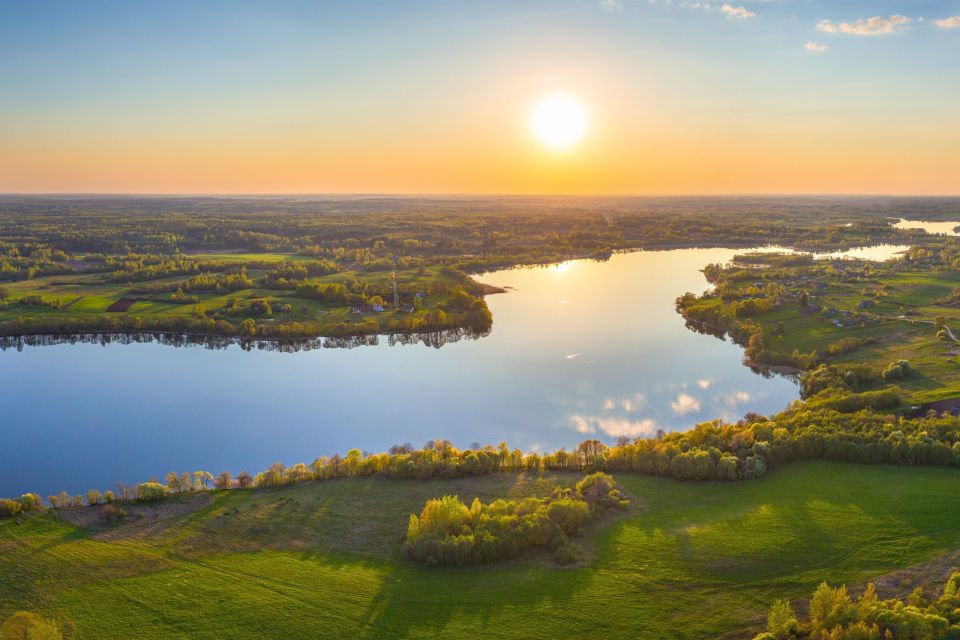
[(693, 560)]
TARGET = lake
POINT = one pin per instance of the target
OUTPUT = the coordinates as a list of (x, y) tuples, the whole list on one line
[(578, 350), (933, 228)]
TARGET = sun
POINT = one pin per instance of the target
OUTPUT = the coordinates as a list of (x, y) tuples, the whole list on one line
[(559, 121)]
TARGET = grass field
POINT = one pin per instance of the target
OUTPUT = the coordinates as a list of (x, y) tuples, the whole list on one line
[(86, 298), (323, 560)]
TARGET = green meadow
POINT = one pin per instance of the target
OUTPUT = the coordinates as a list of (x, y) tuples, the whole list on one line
[(322, 559), (73, 302)]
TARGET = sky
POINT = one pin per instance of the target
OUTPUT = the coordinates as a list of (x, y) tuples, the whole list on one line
[(434, 96)]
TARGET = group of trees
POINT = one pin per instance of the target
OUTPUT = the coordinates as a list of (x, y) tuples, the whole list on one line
[(834, 615), (24, 504), (447, 532), (897, 370), (201, 283)]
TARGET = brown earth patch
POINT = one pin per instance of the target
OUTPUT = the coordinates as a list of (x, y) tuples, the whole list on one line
[(140, 519), (930, 576), (121, 305)]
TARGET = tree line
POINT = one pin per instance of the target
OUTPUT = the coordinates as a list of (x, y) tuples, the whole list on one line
[(832, 424)]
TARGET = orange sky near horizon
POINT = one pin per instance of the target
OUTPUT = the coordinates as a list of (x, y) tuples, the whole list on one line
[(331, 98)]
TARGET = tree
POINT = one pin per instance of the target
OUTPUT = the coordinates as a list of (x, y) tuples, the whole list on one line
[(29, 626), (828, 608), (781, 620), (173, 482), (94, 497), (804, 299), (202, 480), (31, 502), (224, 480), (244, 479)]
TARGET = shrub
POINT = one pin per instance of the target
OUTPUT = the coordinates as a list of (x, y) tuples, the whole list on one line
[(568, 553), (111, 513), (9, 508)]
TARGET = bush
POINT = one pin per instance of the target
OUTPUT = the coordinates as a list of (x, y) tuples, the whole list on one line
[(111, 513), (568, 553), (9, 508)]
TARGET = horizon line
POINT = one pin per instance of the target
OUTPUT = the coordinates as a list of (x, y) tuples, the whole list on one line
[(466, 194)]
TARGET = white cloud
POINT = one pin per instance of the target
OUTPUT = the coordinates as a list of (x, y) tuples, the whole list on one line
[(609, 404), (614, 427), (875, 26), (704, 384), (740, 397), (953, 22), (685, 404), (816, 47), (610, 5), (740, 13)]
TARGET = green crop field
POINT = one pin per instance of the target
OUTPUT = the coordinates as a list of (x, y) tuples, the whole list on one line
[(322, 559)]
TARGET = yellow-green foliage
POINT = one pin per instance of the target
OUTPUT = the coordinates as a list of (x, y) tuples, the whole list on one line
[(449, 532), (834, 615), (24, 625)]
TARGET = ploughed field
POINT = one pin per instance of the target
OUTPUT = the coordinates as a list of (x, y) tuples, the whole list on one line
[(324, 559)]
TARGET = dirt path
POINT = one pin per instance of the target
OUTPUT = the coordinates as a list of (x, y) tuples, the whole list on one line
[(74, 301), (913, 321)]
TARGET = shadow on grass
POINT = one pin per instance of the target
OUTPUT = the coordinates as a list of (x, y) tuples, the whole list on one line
[(415, 601)]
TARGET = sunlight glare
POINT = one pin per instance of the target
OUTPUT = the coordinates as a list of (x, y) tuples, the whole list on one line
[(559, 121)]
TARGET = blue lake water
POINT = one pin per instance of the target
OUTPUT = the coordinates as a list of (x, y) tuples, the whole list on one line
[(582, 349)]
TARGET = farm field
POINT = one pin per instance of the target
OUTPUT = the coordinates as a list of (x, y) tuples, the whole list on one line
[(248, 295), (856, 314), (323, 559)]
